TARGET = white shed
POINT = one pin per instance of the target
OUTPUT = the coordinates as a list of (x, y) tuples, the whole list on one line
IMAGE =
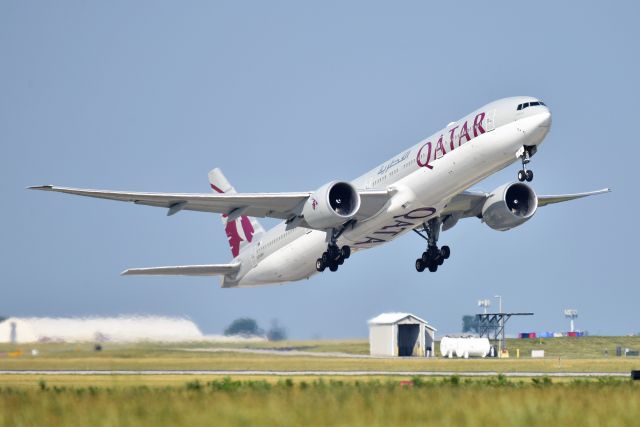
[(400, 334)]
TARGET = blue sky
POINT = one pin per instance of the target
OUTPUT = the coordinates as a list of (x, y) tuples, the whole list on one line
[(285, 96)]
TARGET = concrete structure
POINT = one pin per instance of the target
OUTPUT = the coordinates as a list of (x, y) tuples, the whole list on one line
[(92, 329), (400, 334)]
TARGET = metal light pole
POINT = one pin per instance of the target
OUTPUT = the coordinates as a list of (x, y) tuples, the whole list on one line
[(503, 344)]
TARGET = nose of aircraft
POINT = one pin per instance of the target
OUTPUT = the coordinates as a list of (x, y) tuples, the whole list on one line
[(540, 125), (544, 119)]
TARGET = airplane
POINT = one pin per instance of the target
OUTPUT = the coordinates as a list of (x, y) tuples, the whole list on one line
[(423, 189)]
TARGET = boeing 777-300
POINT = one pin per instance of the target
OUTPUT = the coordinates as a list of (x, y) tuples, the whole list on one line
[(422, 189)]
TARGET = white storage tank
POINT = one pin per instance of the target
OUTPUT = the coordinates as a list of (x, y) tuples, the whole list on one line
[(448, 346), (464, 347)]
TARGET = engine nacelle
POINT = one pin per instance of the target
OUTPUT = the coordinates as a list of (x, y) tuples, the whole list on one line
[(509, 206), (331, 205)]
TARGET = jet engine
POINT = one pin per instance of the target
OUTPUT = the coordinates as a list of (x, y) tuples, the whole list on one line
[(331, 205), (509, 205)]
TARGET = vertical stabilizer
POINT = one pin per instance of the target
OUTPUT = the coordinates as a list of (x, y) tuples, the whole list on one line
[(244, 229)]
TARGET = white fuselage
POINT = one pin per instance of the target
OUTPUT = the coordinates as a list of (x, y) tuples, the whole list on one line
[(423, 178)]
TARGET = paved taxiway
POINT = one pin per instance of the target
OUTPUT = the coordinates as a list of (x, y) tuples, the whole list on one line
[(321, 373)]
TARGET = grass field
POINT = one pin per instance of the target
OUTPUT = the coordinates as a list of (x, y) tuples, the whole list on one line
[(586, 354), (225, 402), (135, 400)]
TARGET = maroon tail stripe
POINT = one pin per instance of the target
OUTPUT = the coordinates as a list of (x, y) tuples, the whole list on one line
[(216, 189)]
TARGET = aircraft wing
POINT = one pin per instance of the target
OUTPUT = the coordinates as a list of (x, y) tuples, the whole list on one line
[(272, 205), (548, 200), (184, 270), (469, 203)]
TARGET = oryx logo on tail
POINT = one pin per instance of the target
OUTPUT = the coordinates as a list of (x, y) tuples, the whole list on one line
[(241, 231)]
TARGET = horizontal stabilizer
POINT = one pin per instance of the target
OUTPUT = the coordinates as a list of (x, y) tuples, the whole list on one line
[(185, 270)]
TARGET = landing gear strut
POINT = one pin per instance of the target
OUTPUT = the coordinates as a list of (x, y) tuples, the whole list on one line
[(334, 256), (433, 257), (525, 154)]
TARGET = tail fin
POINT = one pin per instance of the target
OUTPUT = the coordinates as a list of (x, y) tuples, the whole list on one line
[(241, 231)]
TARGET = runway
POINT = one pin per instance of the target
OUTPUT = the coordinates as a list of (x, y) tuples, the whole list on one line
[(323, 373)]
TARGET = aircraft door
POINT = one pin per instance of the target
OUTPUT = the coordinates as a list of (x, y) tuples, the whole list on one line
[(254, 254), (491, 120)]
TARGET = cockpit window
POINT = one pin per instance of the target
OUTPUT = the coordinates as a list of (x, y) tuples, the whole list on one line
[(530, 104)]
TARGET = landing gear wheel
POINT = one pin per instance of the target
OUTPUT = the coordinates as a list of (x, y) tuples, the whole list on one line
[(433, 257), (445, 252), (525, 154), (345, 252), (335, 255)]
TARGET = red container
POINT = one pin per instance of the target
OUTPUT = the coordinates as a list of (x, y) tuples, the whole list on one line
[(572, 334), (532, 335)]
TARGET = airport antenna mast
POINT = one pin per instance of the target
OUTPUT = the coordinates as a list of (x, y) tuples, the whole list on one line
[(572, 314), (484, 303)]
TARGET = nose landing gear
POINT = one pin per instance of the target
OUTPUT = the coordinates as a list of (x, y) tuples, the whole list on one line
[(433, 257), (525, 175), (525, 154)]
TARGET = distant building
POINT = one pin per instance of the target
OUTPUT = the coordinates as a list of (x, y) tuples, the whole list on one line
[(400, 334), (117, 329)]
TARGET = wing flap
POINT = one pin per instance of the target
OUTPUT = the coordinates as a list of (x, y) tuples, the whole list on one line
[(184, 270), (371, 202), (466, 204)]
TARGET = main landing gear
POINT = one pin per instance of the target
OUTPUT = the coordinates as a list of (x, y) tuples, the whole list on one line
[(433, 257), (334, 256), (525, 154)]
